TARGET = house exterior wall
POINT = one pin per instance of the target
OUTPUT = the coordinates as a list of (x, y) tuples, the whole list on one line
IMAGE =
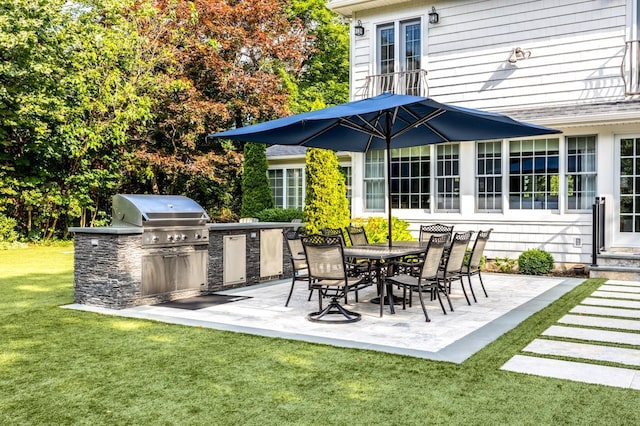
[(571, 81)]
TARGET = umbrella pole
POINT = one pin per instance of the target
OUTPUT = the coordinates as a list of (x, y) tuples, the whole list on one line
[(389, 184)]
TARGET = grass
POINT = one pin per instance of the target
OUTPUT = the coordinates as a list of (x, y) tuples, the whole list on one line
[(60, 366)]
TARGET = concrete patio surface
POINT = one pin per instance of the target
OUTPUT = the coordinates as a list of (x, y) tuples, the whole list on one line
[(453, 337)]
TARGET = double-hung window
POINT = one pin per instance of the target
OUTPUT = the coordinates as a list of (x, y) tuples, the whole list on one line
[(581, 172), (374, 174), (410, 170), (489, 176), (448, 178), (287, 187), (534, 174)]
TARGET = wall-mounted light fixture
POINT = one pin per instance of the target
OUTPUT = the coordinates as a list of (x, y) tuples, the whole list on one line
[(358, 29), (519, 54), (434, 18)]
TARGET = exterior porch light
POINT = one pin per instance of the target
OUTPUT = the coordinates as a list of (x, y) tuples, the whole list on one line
[(434, 18), (358, 30)]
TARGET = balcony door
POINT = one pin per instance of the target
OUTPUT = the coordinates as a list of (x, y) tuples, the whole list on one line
[(399, 58)]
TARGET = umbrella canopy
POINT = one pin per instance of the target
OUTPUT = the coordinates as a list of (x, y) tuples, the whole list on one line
[(383, 122)]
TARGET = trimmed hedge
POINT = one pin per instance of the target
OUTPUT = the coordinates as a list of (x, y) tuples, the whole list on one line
[(535, 262)]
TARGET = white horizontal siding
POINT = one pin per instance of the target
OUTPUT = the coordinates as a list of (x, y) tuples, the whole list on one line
[(576, 50)]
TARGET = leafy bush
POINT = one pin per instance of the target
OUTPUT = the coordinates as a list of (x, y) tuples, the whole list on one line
[(8, 232), (535, 262), (256, 194), (505, 265), (279, 215), (377, 229)]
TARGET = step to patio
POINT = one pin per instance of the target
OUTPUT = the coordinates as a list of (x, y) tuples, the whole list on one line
[(630, 357), (616, 295), (615, 323), (618, 288), (623, 273), (576, 371), (606, 312), (593, 335), (614, 303)]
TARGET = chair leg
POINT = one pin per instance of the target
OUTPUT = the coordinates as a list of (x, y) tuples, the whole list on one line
[(482, 284), (293, 281), (463, 290), (334, 308), (435, 289), (424, 309), (470, 288), (443, 289)]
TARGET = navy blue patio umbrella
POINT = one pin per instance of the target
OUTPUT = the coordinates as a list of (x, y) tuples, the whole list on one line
[(383, 122)]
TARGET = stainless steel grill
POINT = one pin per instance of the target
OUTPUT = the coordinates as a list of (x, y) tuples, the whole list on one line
[(167, 220), (175, 240)]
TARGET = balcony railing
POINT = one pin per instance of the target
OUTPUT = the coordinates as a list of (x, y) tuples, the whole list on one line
[(400, 83), (630, 68)]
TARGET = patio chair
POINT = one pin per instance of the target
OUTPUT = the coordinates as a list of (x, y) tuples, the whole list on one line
[(360, 267), (452, 268), (426, 231), (473, 267), (426, 279), (298, 261), (357, 235), (328, 274)]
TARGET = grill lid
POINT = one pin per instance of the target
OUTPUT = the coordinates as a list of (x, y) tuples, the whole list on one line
[(156, 210)]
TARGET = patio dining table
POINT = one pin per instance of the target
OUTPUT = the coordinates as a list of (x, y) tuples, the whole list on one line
[(382, 255)]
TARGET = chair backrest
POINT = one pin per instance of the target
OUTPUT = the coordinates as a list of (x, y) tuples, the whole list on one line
[(325, 258), (426, 231), (433, 256), (357, 235), (478, 249), (334, 232), (457, 251), (296, 250)]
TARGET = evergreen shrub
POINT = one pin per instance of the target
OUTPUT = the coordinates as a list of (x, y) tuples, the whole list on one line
[(8, 232), (535, 262)]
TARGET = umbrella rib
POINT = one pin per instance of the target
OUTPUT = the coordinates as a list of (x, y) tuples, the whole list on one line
[(318, 133), (421, 121), (369, 129)]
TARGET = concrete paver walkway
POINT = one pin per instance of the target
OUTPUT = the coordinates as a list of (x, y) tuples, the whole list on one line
[(611, 315)]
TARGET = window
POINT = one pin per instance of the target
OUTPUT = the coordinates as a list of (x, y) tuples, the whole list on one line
[(410, 171), (581, 172), (489, 177), (533, 174), (346, 171), (287, 188), (386, 56), (374, 180), (630, 185), (276, 184), (447, 178), (411, 55)]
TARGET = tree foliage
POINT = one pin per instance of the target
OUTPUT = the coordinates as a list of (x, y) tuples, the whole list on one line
[(256, 194), (106, 96), (326, 203)]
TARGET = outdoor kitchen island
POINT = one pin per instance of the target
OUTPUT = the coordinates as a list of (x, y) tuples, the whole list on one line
[(161, 248)]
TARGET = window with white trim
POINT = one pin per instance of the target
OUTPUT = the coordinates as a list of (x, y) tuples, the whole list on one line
[(581, 172), (287, 187), (448, 178), (489, 176), (534, 179), (410, 177), (374, 180)]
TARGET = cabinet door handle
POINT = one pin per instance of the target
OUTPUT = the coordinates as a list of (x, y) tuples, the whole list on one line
[(168, 256)]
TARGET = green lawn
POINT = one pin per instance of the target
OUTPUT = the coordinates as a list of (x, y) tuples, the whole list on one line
[(60, 366)]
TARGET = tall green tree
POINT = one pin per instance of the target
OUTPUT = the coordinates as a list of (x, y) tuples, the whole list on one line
[(256, 194), (326, 203)]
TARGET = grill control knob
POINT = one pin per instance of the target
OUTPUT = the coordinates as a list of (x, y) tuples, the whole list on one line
[(170, 237), (198, 236), (155, 238), (183, 237)]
